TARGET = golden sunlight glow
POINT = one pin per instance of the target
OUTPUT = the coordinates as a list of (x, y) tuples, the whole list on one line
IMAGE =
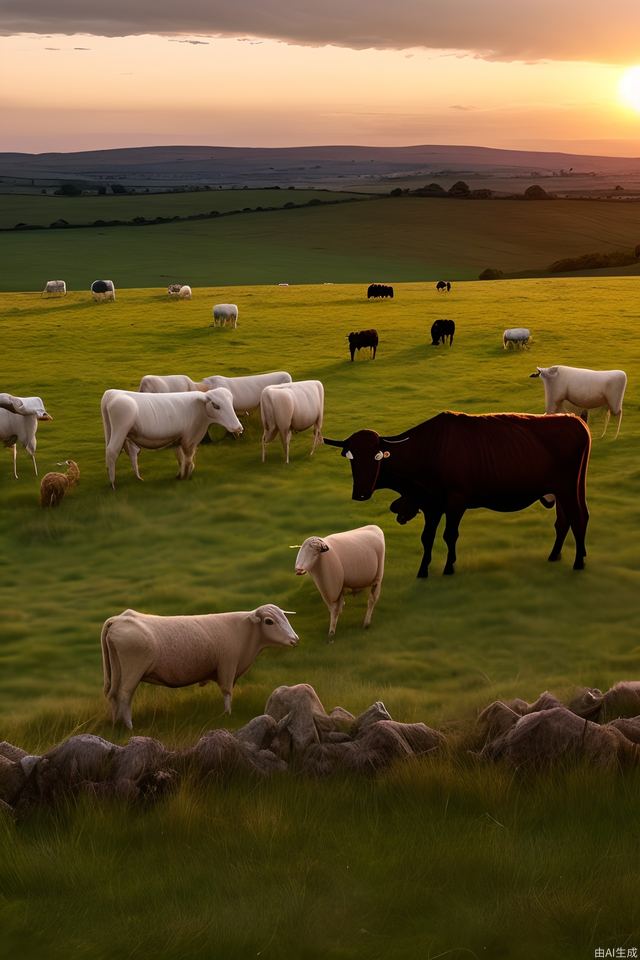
[(630, 87)]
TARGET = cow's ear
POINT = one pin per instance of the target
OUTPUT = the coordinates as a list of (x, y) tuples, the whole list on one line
[(386, 455), (323, 546), (253, 617)]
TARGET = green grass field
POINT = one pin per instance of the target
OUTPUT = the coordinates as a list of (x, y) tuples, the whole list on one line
[(387, 240), (21, 208), (435, 859)]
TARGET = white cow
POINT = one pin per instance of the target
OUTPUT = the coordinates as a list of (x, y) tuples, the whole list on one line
[(155, 421), (225, 313), (103, 290), (516, 337), (583, 389), (181, 651), (19, 422), (352, 560), (289, 407), (246, 391), (55, 287), (185, 292)]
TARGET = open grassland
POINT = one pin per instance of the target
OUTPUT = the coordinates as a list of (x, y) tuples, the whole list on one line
[(390, 239), (21, 208), (435, 857)]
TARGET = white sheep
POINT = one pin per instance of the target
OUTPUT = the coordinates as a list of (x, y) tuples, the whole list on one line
[(583, 389), (352, 560), (180, 651), (225, 313), (516, 337), (55, 287)]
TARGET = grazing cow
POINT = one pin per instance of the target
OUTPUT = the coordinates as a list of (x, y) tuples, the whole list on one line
[(379, 291), (246, 391), (440, 330), (225, 313), (363, 338), (19, 418), (583, 390), (55, 288), (174, 289), (181, 651), (457, 462), (103, 290), (349, 561), (443, 285), (155, 421), (289, 407), (516, 337)]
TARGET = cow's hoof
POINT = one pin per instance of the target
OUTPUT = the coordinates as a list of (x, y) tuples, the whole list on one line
[(578, 565), (448, 572), (553, 557), (422, 575)]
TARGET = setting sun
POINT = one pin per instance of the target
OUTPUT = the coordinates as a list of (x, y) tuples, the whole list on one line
[(630, 87)]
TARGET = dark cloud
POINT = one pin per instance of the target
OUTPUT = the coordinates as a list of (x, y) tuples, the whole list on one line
[(82, 48), (529, 30), (196, 43), (52, 48)]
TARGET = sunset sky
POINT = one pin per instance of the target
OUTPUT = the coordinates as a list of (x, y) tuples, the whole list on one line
[(78, 74)]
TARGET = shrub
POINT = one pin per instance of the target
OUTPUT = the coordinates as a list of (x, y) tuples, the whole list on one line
[(491, 274), (535, 192), (459, 189), (69, 190)]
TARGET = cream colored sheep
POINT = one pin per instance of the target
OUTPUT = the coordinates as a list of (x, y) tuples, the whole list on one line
[(352, 560)]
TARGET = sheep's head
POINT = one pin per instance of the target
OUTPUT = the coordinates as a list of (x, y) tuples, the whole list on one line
[(308, 554), (275, 629)]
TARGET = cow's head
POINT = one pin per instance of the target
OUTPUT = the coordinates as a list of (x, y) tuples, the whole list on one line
[(219, 408), (547, 373), (25, 406), (365, 452)]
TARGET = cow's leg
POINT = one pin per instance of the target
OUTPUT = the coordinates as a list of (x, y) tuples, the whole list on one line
[(15, 472), (286, 440), (317, 437), (618, 416), (335, 609), (453, 516), (373, 599), (606, 422), (431, 521), (225, 680), (562, 528), (132, 451), (186, 459)]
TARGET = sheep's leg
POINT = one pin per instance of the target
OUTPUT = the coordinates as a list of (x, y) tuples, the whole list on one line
[(335, 609), (226, 677), (371, 602)]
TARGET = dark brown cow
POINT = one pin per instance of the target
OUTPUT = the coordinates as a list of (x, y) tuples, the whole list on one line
[(457, 462)]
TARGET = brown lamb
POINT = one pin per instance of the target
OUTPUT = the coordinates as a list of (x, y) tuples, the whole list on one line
[(54, 486)]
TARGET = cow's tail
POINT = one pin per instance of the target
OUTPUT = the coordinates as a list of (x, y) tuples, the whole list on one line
[(582, 477), (110, 665)]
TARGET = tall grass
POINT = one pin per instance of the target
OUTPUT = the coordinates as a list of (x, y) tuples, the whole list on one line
[(444, 858)]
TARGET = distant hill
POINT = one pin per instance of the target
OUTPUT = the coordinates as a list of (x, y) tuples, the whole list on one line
[(262, 166)]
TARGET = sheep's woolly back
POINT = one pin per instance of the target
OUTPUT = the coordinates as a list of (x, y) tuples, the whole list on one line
[(53, 486)]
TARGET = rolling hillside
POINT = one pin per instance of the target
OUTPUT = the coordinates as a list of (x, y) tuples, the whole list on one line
[(387, 239)]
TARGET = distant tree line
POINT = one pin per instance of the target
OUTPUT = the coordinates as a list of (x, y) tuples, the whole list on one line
[(462, 191), (140, 221)]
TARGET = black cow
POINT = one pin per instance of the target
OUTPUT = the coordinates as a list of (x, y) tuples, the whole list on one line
[(381, 290), (363, 338), (443, 285), (100, 286), (440, 330), (457, 462)]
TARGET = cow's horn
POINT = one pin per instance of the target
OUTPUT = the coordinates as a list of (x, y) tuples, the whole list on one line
[(387, 440), (333, 443)]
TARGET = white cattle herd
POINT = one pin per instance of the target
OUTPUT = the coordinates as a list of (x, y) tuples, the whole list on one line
[(176, 411)]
